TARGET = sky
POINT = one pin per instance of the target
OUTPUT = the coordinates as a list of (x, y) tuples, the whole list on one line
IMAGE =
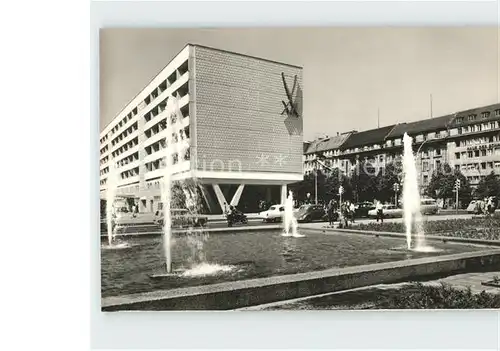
[(350, 74)]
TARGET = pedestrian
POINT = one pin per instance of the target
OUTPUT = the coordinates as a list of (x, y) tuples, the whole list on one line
[(331, 209), (345, 214), (380, 212), (352, 210), (490, 207)]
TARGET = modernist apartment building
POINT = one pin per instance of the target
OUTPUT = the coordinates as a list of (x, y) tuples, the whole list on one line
[(241, 119), (467, 140)]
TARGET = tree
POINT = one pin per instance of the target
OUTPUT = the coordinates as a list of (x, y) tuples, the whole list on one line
[(442, 185), (386, 178), (300, 189), (334, 180), (364, 182), (465, 191), (488, 186)]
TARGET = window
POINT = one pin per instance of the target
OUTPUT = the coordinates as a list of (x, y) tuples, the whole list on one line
[(457, 167), (476, 153), (483, 152), (437, 152), (497, 112), (472, 117), (485, 114), (469, 154), (426, 179), (425, 166), (457, 155), (459, 120), (483, 165)]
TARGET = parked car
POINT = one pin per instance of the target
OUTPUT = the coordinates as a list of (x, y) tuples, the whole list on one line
[(428, 206), (182, 218), (362, 209), (480, 206), (273, 214), (309, 213), (390, 211)]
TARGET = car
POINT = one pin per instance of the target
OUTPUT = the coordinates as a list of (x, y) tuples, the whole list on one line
[(428, 206), (309, 213), (273, 214), (480, 206), (362, 209), (182, 218), (390, 211)]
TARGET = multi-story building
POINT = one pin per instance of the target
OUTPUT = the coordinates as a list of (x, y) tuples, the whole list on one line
[(241, 119), (429, 143), (326, 150), (473, 145), (366, 146), (467, 140)]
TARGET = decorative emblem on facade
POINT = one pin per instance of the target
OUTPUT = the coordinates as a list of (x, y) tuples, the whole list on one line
[(290, 106), (263, 160)]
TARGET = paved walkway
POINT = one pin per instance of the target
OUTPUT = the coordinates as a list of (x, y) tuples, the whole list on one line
[(472, 280), (317, 225)]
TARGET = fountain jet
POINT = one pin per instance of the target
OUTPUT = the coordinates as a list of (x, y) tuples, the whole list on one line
[(112, 183), (411, 198), (289, 220)]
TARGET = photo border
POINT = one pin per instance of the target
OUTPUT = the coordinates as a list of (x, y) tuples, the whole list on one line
[(295, 329)]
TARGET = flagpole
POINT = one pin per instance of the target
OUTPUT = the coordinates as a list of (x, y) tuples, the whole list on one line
[(431, 106)]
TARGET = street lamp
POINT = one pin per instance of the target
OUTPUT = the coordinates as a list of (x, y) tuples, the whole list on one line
[(341, 191), (395, 187), (318, 163), (457, 187)]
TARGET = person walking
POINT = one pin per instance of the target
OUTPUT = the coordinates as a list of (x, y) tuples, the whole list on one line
[(331, 209), (352, 211), (380, 212)]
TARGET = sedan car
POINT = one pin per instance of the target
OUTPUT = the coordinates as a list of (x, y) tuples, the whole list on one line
[(273, 214), (309, 213), (390, 211), (363, 208), (182, 218)]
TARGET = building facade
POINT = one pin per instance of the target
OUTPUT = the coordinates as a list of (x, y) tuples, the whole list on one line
[(468, 141), (241, 121)]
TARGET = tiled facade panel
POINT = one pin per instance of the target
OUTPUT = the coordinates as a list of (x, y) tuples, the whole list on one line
[(238, 114), (236, 160)]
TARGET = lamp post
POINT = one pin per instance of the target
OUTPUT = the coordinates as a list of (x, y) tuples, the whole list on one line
[(316, 185), (457, 188), (319, 158), (341, 191), (395, 187)]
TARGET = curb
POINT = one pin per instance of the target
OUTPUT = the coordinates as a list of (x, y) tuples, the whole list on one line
[(401, 235), (208, 230)]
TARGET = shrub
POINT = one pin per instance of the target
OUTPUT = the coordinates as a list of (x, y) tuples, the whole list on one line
[(420, 296), (487, 228)]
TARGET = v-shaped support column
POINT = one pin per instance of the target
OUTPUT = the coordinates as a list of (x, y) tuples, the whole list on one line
[(222, 199)]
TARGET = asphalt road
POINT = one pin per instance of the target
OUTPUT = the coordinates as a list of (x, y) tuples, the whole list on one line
[(252, 222)]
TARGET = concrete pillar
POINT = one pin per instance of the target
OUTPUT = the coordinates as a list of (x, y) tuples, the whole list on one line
[(268, 194), (237, 195), (220, 197), (284, 194)]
